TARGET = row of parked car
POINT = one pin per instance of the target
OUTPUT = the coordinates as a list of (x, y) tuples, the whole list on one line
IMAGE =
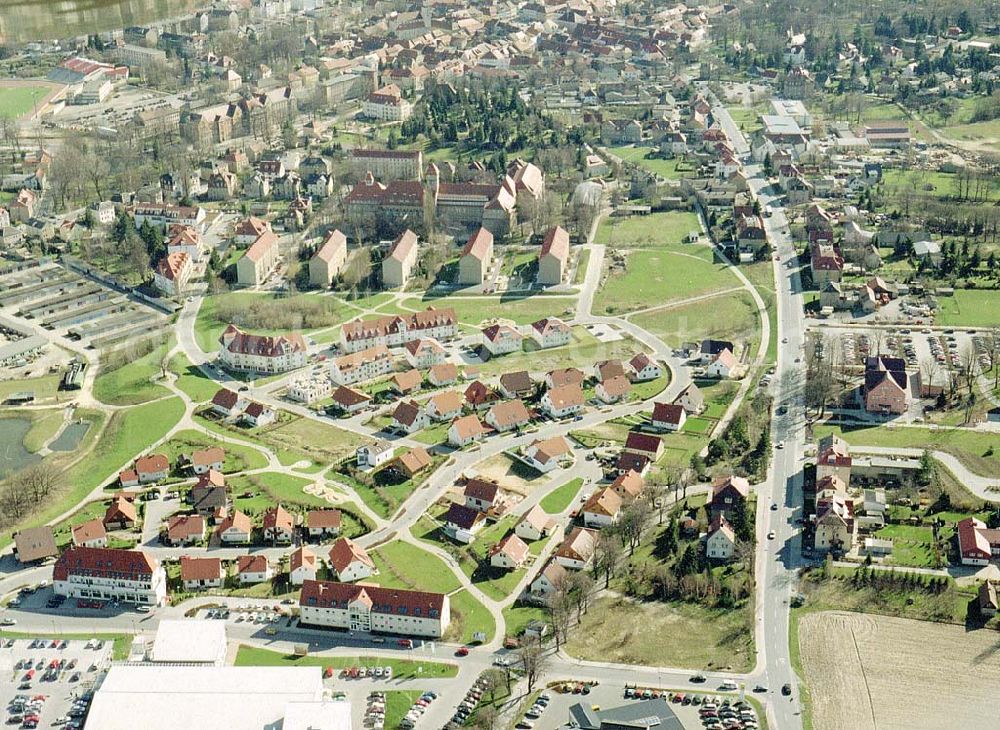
[(375, 711), (468, 703), (534, 712), (362, 672), (724, 716), (417, 710)]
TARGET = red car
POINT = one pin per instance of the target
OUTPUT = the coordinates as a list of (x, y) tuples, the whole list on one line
[(462, 651), (328, 672), (405, 643)]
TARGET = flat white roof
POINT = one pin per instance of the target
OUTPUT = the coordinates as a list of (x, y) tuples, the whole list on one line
[(327, 715), (192, 640), (159, 697)]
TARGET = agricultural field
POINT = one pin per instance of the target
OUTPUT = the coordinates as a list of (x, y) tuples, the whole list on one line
[(852, 667)]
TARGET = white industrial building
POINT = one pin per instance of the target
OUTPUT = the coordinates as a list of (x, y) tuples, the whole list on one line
[(162, 697)]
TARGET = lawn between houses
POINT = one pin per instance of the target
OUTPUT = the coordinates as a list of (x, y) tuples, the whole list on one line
[(474, 310), (293, 438), (404, 565), (133, 381), (252, 656)]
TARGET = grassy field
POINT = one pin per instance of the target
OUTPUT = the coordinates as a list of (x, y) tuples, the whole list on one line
[(294, 439), (986, 134), (656, 229), (475, 310), (45, 388), (761, 275), (517, 617), (132, 383), (969, 308), (672, 169), (238, 457), (252, 656), (979, 451), (658, 634), (583, 260), (128, 434), (198, 386), (16, 101), (733, 317), (469, 616), (561, 497), (402, 565), (916, 183)]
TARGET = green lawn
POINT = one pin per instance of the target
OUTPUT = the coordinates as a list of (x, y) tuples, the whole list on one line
[(403, 565), (672, 169), (469, 616), (45, 387), (475, 310), (252, 656), (761, 275), (986, 133), (128, 434), (656, 229), (436, 433), (581, 267), (16, 101), (238, 456), (979, 451), (516, 617), (561, 497), (198, 386), (132, 383), (294, 439), (397, 704), (969, 308), (265, 313)]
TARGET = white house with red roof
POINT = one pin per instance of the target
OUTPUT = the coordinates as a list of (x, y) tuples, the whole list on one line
[(258, 261), (510, 553), (642, 368), (152, 468), (465, 430), (400, 260), (668, 416), (172, 273), (349, 561), (266, 354), (563, 401), (424, 353), (977, 543), (501, 339), (723, 366), (550, 332), (252, 569), (329, 260), (228, 403), (302, 566), (234, 529), (104, 574), (279, 525), (373, 608), (398, 329), (200, 573)]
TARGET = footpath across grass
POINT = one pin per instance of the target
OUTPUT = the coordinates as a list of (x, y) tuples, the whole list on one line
[(252, 656)]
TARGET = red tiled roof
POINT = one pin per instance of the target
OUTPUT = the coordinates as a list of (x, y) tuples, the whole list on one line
[(344, 552), (200, 568), (324, 594), (104, 563)]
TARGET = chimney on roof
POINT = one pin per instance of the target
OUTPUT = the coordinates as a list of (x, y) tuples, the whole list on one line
[(369, 179)]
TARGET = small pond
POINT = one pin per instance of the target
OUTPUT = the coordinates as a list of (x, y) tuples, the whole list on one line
[(71, 436)]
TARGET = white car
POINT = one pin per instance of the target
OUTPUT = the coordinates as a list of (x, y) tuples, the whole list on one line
[(780, 445), (770, 535), (8, 621)]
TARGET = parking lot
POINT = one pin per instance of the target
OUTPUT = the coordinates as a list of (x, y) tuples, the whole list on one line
[(47, 682), (608, 696)]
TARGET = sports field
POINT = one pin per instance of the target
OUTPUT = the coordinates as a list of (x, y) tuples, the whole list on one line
[(18, 100)]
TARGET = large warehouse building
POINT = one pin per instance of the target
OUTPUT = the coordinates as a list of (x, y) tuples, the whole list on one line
[(158, 697)]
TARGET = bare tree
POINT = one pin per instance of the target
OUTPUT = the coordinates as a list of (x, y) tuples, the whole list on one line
[(580, 589), (607, 554), (632, 524), (533, 661)]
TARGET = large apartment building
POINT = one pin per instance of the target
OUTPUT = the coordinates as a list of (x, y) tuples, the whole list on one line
[(387, 164), (103, 574), (253, 268), (261, 353), (329, 260), (396, 330), (373, 608)]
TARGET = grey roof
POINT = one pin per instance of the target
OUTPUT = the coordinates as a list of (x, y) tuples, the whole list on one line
[(638, 715)]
